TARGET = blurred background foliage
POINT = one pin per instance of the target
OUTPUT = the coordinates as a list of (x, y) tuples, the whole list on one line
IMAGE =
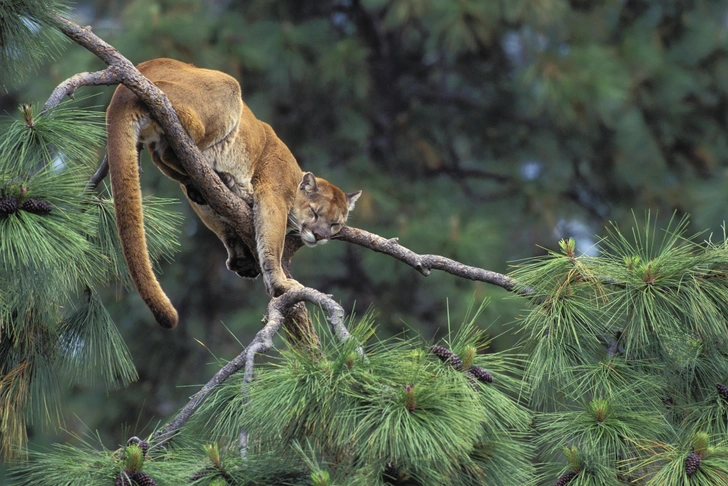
[(478, 130)]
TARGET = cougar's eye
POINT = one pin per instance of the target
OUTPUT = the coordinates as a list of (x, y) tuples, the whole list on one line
[(313, 212)]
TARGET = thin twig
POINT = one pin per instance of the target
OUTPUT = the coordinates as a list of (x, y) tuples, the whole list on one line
[(99, 175), (426, 263), (170, 429), (68, 87)]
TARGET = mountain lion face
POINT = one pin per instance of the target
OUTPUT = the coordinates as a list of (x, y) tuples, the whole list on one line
[(320, 210)]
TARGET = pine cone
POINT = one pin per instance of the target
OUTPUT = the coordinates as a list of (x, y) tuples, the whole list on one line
[(144, 446), (692, 463), (565, 478), (392, 474), (8, 205), (197, 475), (122, 480), (722, 391), (36, 206), (481, 375), (447, 356), (200, 474), (143, 479)]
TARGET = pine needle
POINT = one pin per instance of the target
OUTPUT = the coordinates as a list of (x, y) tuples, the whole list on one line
[(91, 347), (27, 36)]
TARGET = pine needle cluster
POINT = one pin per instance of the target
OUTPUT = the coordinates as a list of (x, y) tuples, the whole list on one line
[(626, 349), (55, 253), (399, 415), (27, 36)]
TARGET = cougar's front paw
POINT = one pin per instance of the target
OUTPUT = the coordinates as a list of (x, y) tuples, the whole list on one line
[(276, 289), (194, 195)]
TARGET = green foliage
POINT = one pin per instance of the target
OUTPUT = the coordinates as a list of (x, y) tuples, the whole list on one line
[(91, 346), (48, 254), (476, 129), (636, 336), (159, 224), (399, 409), (49, 258), (60, 135), (668, 461), (27, 37), (85, 463)]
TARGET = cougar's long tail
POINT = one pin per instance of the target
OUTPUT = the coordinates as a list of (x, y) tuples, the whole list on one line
[(123, 133)]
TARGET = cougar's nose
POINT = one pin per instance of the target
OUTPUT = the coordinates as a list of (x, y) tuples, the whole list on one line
[(321, 235)]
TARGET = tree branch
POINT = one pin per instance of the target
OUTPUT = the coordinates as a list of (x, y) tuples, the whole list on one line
[(218, 196), (99, 175), (68, 87), (170, 429), (426, 263), (238, 214), (286, 309), (279, 309)]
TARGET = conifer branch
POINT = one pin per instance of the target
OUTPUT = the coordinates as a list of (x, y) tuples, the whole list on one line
[(279, 309), (283, 309), (219, 197)]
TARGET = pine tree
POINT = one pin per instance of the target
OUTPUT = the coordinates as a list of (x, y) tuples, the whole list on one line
[(58, 246), (618, 377)]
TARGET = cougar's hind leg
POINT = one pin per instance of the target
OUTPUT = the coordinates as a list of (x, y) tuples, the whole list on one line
[(241, 259)]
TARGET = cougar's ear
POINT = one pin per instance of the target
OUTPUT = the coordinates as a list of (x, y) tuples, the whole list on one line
[(308, 183), (351, 199)]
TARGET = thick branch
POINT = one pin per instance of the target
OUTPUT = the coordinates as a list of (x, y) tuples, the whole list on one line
[(220, 199)]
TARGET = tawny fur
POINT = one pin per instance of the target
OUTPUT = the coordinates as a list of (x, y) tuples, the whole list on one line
[(253, 162)]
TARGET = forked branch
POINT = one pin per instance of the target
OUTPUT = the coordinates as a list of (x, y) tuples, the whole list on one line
[(279, 308)]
